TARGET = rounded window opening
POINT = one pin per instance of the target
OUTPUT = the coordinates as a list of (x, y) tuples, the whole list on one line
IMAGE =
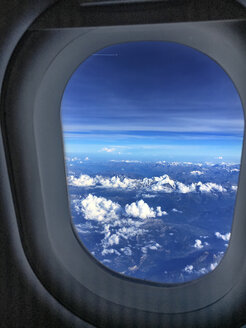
[(153, 135)]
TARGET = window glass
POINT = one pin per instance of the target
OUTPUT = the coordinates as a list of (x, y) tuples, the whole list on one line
[(153, 135)]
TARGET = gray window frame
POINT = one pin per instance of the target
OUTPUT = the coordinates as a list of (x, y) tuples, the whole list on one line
[(40, 69)]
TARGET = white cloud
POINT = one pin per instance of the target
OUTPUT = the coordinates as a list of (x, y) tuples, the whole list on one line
[(225, 237), (118, 222), (153, 247), (203, 271), (113, 240), (234, 188), (155, 184), (209, 187), (84, 180), (198, 244), (184, 189), (142, 210), (176, 211), (106, 261), (117, 182), (87, 159), (213, 266), (159, 211), (108, 150), (148, 196), (125, 161), (107, 251), (196, 172), (127, 251), (99, 208), (189, 268), (235, 170)]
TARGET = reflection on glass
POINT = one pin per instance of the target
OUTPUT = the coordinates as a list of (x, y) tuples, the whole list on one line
[(153, 135)]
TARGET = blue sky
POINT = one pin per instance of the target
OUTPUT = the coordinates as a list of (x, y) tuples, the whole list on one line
[(152, 101)]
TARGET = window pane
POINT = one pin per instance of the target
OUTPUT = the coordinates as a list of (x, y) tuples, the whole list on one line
[(153, 135)]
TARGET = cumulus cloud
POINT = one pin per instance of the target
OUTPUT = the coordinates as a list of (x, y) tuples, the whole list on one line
[(84, 180), (159, 211), (155, 184), (99, 208), (118, 222), (234, 188), (196, 172), (225, 237), (189, 268), (142, 210), (198, 244)]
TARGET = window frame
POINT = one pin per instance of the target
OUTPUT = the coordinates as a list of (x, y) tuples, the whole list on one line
[(34, 144)]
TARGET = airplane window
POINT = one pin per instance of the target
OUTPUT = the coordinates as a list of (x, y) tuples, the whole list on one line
[(153, 134)]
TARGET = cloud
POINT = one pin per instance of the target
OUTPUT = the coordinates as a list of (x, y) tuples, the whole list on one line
[(140, 209), (196, 172), (225, 237), (148, 196), (198, 244), (99, 208), (108, 150), (153, 247), (117, 222), (127, 251), (189, 268), (219, 157), (159, 211), (184, 189), (124, 161), (210, 187), (86, 158), (113, 240), (110, 251), (83, 181), (213, 265), (176, 211), (234, 188), (155, 184)]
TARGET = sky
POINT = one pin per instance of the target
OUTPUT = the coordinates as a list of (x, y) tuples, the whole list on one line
[(152, 101)]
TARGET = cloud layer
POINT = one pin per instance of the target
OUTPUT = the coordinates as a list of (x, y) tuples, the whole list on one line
[(155, 184)]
